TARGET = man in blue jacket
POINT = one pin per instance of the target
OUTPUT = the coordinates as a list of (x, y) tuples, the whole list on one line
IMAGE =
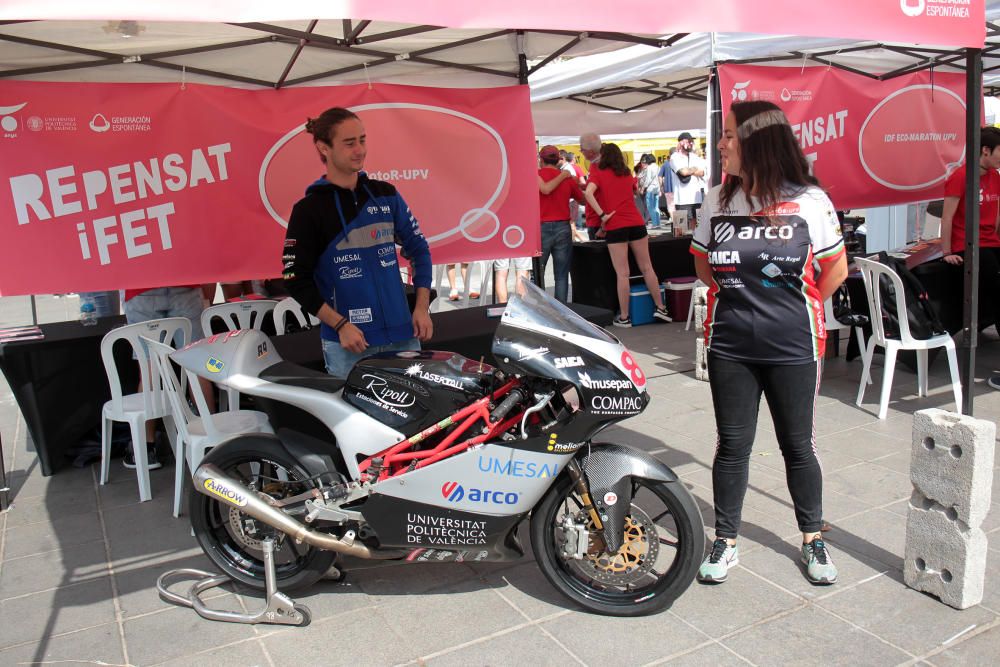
[(340, 252)]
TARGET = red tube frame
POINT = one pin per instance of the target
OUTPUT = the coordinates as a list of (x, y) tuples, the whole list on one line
[(400, 458)]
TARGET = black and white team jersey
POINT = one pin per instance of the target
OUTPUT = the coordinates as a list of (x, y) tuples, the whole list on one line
[(763, 305)]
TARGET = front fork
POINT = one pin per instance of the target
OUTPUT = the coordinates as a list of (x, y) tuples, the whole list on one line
[(596, 541)]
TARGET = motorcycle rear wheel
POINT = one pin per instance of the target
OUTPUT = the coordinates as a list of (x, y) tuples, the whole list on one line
[(648, 586), (232, 539)]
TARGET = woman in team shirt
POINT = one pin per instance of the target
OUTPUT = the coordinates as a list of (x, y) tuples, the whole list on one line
[(760, 238), (610, 195)]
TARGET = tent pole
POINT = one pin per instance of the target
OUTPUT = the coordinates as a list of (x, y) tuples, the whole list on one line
[(715, 122), (970, 321)]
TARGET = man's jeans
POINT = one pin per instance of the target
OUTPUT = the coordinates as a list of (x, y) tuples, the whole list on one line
[(653, 206), (557, 240), (339, 361)]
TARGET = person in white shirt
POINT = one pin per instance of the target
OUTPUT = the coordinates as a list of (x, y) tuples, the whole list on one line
[(688, 175)]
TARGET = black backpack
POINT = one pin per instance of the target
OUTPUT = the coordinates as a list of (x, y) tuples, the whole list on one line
[(920, 314)]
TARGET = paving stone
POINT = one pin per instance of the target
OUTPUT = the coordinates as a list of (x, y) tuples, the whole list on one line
[(365, 638), (54, 612), (155, 638), (810, 634), (448, 616), (67, 482), (51, 507), (781, 564), (100, 645), (122, 490), (245, 654), (877, 534), (525, 646), (908, 619), (874, 485), (712, 655), (324, 598), (137, 584), (980, 649), (61, 533), (604, 640), (526, 588), (719, 609), (129, 537), (392, 578), (53, 569)]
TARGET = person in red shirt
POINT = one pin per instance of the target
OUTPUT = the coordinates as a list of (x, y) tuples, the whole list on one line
[(557, 225), (953, 227), (609, 195)]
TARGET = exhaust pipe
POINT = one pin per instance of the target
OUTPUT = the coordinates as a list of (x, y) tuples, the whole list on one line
[(215, 484)]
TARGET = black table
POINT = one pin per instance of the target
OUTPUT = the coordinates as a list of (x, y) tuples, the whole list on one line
[(60, 385), (593, 276)]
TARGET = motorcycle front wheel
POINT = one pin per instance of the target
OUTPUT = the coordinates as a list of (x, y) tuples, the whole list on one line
[(233, 540), (663, 546)]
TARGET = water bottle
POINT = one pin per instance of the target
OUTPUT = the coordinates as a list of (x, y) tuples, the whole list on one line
[(88, 313)]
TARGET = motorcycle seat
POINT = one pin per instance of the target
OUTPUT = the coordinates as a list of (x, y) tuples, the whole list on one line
[(294, 375)]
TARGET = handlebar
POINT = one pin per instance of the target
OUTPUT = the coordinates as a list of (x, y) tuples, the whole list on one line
[(513, 398)]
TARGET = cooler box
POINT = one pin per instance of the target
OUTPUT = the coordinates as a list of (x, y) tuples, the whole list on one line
[(640, 305), (678, 299)]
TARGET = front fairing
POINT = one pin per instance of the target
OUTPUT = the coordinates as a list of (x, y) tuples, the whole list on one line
[(538, 336)]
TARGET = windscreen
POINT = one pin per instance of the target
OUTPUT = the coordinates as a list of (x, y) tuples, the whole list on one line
[(536, 309)]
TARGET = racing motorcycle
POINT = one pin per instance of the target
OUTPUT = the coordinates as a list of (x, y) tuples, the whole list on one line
[(433, 457)]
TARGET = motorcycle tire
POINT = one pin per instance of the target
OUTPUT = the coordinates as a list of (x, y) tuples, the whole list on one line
[(221, 529), (572, 578)]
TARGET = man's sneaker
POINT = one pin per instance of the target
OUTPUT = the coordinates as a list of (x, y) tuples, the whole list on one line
[(715, 568), (662, 314), (623, 322), (129, 459), (994, 381), (819, 566)]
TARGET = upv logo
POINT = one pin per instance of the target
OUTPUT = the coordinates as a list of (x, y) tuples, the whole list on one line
[(8, 122), (739, 91), (911, 8)]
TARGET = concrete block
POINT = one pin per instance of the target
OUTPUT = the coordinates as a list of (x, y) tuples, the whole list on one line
[(942, 556), (951, 462), (700, 360), (700, 314), (700, 295)]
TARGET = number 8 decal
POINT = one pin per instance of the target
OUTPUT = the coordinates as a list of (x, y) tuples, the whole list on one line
[(638, 378)]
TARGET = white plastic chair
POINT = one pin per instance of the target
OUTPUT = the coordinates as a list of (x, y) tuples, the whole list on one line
[(694, 286), (197, 433), (249, 314), (833, 325), (289, 306), (871, 271), (149, 403)]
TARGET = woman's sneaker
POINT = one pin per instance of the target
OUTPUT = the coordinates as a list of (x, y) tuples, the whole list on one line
[(819, 566), (623, 322), (662, 314), (715, 568), (129, 459)]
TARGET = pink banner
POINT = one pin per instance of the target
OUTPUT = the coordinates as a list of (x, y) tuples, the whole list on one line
[(871, 143), (940, 22), (109, 186)]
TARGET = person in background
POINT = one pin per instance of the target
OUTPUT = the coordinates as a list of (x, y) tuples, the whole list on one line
[(640, 201), (501, 269), (953, 227), (556, 219), (454, 295), (340, 252), (689, 176), (649, 188), (609, 195), (762, 234), (143, 305), (590, 146), (666, 179)]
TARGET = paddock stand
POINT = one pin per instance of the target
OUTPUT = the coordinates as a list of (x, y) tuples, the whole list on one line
[(278, 610)]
